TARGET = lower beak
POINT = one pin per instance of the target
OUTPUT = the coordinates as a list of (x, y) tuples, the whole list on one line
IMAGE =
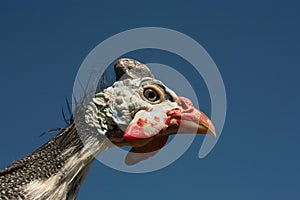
[(201, 127)]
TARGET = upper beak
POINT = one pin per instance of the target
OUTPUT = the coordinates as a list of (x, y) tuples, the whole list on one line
[(188, 119)]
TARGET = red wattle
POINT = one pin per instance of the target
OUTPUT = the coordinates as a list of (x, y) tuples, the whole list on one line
[(134, 132)]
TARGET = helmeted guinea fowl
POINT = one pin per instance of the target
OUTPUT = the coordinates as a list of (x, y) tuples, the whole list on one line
[(137, 110)]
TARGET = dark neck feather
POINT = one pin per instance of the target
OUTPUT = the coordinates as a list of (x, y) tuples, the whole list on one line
[(63, 160)]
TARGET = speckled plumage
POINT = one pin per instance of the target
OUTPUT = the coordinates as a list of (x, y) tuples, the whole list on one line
[(47, 161)]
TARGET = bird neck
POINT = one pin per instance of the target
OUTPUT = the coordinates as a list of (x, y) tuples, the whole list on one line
[(54, 171)]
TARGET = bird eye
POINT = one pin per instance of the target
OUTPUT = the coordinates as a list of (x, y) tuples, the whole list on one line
[(152, 93)]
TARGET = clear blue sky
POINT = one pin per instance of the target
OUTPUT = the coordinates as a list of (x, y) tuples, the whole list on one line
[(255, 44)]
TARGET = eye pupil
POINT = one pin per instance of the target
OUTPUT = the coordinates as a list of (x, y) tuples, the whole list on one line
[(151, 94)]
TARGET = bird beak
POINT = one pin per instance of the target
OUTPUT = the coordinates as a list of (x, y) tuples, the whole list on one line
[(188, 119)]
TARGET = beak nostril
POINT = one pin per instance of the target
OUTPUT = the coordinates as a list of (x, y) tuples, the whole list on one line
[(185, 103), (188, 110)]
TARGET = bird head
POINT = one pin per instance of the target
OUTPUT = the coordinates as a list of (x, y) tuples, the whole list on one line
[(140, 111)]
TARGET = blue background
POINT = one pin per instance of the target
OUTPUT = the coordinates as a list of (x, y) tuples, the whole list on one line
[(255, 44)]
